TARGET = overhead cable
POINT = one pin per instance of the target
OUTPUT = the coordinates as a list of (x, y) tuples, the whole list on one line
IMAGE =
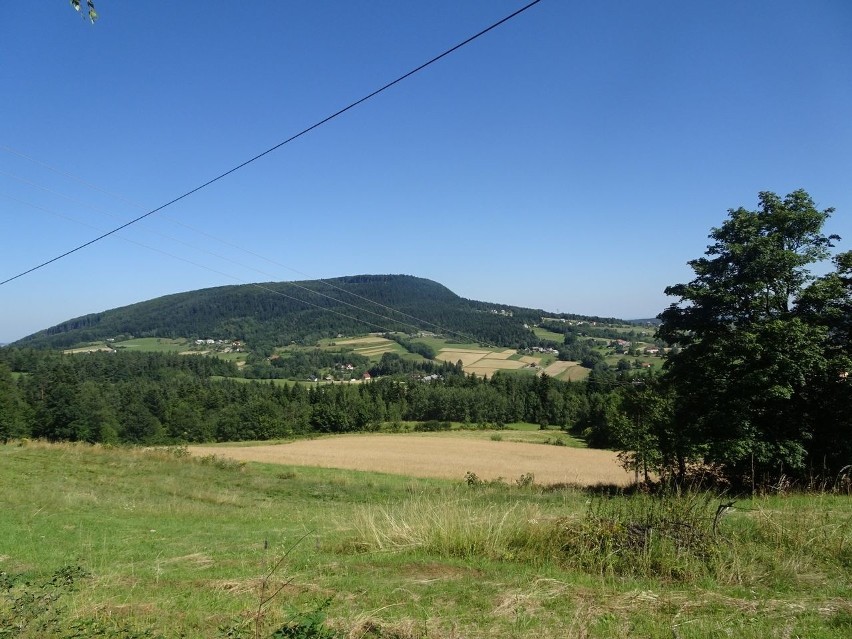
[(275, 147)]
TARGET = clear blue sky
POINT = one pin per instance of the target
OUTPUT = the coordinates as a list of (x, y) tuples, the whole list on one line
[(573, 159)]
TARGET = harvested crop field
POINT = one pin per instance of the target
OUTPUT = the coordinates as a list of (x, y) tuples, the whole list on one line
[(488, 366), (375, 350), (439, 455), (467, 357), (362, 340), (502, 355), (557, 368)]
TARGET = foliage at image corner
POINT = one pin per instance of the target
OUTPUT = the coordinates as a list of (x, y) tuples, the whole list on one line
[(90, 12)]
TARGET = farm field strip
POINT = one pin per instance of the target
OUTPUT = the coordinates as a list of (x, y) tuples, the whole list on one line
[(574, 374), (362, 340), (87, 349), (480, 351), (502, 355), (375, 350), (438, 456), (494, 364), (467, 358), (557, 368)]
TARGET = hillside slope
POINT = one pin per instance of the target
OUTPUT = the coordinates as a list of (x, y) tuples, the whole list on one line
[(278, 313)]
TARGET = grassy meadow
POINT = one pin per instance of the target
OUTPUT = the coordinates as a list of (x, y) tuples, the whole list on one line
[(543, 333), (121, 542)]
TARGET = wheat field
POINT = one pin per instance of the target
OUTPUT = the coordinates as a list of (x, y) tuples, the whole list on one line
[(438, 455)]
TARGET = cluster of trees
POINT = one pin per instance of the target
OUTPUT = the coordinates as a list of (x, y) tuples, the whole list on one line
[(577, 350), (153, 398), (416, 348), (392, 364), (574, 331), (276, 314), (302, 364), (758, 387)]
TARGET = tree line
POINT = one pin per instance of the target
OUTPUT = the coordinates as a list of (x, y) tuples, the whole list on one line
[(276, 314), (758, 388), (156, 398), (755, 389)]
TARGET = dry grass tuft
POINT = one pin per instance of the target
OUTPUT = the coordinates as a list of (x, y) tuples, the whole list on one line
[(449, 528)]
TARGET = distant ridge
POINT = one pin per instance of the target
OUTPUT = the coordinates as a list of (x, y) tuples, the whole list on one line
[(279, 313)]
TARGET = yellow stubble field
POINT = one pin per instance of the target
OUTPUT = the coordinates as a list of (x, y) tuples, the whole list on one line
[(438, 455)]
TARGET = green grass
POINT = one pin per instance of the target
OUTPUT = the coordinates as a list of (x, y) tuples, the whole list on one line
[(275, 382), (179, 345), (655, 362), (439, 342), (543, 333), (155, 345), (121, 542)]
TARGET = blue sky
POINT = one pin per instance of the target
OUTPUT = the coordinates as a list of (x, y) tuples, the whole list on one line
[(574, 159)]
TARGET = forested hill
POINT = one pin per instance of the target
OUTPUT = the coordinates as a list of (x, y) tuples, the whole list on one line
[(277, 313)]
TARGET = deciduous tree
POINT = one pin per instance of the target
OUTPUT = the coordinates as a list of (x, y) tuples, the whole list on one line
[(749, 356)]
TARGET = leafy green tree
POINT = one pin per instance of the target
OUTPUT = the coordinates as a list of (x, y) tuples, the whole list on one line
[(185, 422), (748, 357), (827, 302), (644, 437), (139, 426)]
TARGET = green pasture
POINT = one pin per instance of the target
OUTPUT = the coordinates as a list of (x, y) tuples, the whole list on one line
[(655, 362), (179, 345), (231, 357), (388, 346), (276, 382), (158, 345), (114, 542), (439, 342), (543, 333)]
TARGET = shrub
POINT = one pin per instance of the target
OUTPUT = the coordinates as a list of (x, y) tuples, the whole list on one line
[(432, 426)]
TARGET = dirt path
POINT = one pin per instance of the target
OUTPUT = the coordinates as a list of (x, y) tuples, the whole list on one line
[(438, 456)]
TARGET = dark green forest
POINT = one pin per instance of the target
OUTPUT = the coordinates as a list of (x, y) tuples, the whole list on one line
[(280, 313), (755, 388), (152, 398)]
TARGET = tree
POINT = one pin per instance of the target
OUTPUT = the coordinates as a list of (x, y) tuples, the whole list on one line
[(749, 357), (95, 419), (644, 437), (13, 409), (827, 302)]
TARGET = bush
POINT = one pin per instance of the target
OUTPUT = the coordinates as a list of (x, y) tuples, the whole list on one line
[(432, 426), (665, 536)]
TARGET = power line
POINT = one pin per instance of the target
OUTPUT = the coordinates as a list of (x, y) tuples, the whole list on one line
[(224, 258), (233, 277), (279, 145), (421, 322)]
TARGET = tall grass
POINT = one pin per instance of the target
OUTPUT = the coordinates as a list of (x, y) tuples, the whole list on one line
[(456, 527), (160, 544), (676, 537)]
